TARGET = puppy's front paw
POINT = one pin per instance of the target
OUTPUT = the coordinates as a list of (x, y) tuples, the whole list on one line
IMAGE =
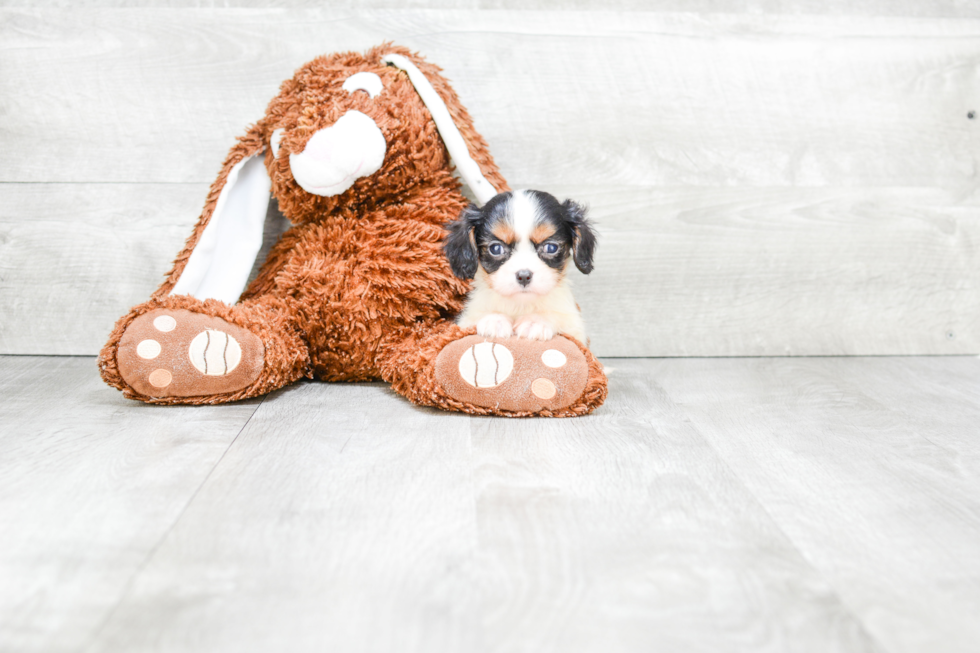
[(534, 327), (495, 325)]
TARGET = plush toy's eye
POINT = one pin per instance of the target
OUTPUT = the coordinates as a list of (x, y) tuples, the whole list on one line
[(275, 140), (550, 248), (367, 82), (496, 249)]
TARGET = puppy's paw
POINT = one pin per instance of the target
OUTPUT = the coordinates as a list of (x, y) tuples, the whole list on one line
[(495, 325), (534, 327)]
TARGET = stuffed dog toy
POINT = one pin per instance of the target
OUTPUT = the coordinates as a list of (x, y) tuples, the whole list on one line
[(358, 151)]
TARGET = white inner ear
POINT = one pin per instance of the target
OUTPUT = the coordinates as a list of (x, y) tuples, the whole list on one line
[(368, 82), (275, 140), (468, 169), (219, 266)]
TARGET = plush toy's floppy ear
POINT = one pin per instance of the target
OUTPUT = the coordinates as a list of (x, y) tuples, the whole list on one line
[(219, 255), (460, 244), (584, 240), (467, 148)]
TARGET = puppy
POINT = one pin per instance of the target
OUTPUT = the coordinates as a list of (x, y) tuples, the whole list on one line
[(517, 248)]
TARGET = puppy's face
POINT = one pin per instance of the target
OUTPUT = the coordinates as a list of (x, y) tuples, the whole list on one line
[(523, 241)]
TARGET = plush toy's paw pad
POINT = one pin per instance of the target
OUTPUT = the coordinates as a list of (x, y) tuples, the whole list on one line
[(513, 373), (177, 353)]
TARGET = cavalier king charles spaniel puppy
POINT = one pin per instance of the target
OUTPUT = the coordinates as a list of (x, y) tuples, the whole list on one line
[(517, 248)]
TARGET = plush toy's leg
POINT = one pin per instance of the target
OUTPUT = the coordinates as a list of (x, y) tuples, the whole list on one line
[(179, 350), (454, 369)]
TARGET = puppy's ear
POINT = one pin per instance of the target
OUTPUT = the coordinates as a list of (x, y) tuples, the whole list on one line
[(460, 245), (584, 241)]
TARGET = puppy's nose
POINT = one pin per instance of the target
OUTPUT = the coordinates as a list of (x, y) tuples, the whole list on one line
[(524, 277)]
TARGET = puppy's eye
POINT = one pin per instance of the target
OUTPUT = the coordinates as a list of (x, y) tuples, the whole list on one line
[(367, 82), (496, 249), (550, 248)]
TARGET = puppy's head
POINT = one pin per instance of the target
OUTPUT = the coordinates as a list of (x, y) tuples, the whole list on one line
[(522, 241)]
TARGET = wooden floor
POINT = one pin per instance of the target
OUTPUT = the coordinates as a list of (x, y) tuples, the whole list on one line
[(754, 504)]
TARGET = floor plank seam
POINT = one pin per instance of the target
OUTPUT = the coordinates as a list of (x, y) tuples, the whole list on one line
[(163, 538), (803, 556), (765, 510)]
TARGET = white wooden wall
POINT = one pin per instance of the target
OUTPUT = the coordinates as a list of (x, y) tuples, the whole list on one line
[(786, 178)]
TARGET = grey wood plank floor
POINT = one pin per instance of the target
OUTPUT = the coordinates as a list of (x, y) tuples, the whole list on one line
[(755, 504)]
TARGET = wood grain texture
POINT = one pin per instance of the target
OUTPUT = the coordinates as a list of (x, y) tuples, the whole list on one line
[(820, 504), (399, 532), (343, 519), (862, 482), (931, 9), (626, 98), (933, 395), (75, 257), (767, 182), (626, 532), (679, 272), (721, 272), (89, 484)]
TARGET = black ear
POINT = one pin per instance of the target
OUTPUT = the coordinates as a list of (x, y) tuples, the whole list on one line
[(460, 245), (584, 241)]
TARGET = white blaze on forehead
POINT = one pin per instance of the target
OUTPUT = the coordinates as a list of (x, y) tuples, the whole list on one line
[(523, 213), (523, 210)]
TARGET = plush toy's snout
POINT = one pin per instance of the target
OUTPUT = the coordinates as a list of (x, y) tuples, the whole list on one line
[(337, 156)]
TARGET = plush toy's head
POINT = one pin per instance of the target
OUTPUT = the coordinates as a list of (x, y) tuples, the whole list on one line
[(354, 127), (348, 130)]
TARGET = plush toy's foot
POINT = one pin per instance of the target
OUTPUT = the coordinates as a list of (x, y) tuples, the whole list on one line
[(513, 374), (177, 353)]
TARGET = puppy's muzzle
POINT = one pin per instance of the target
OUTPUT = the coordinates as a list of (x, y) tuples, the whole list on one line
[(524, 277), (337, 156)]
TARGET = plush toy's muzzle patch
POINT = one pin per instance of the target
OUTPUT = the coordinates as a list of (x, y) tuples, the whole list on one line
[(337, 156)]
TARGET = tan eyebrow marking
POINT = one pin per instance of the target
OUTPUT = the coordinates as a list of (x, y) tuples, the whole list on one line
[(504, 232), (542, 233)]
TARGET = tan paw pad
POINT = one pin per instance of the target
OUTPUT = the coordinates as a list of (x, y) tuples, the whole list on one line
[(513, 374), (543, 389), (179, 353), (160, 378)]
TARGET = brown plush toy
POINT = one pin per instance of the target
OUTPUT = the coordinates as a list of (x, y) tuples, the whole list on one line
[(358, 150)]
